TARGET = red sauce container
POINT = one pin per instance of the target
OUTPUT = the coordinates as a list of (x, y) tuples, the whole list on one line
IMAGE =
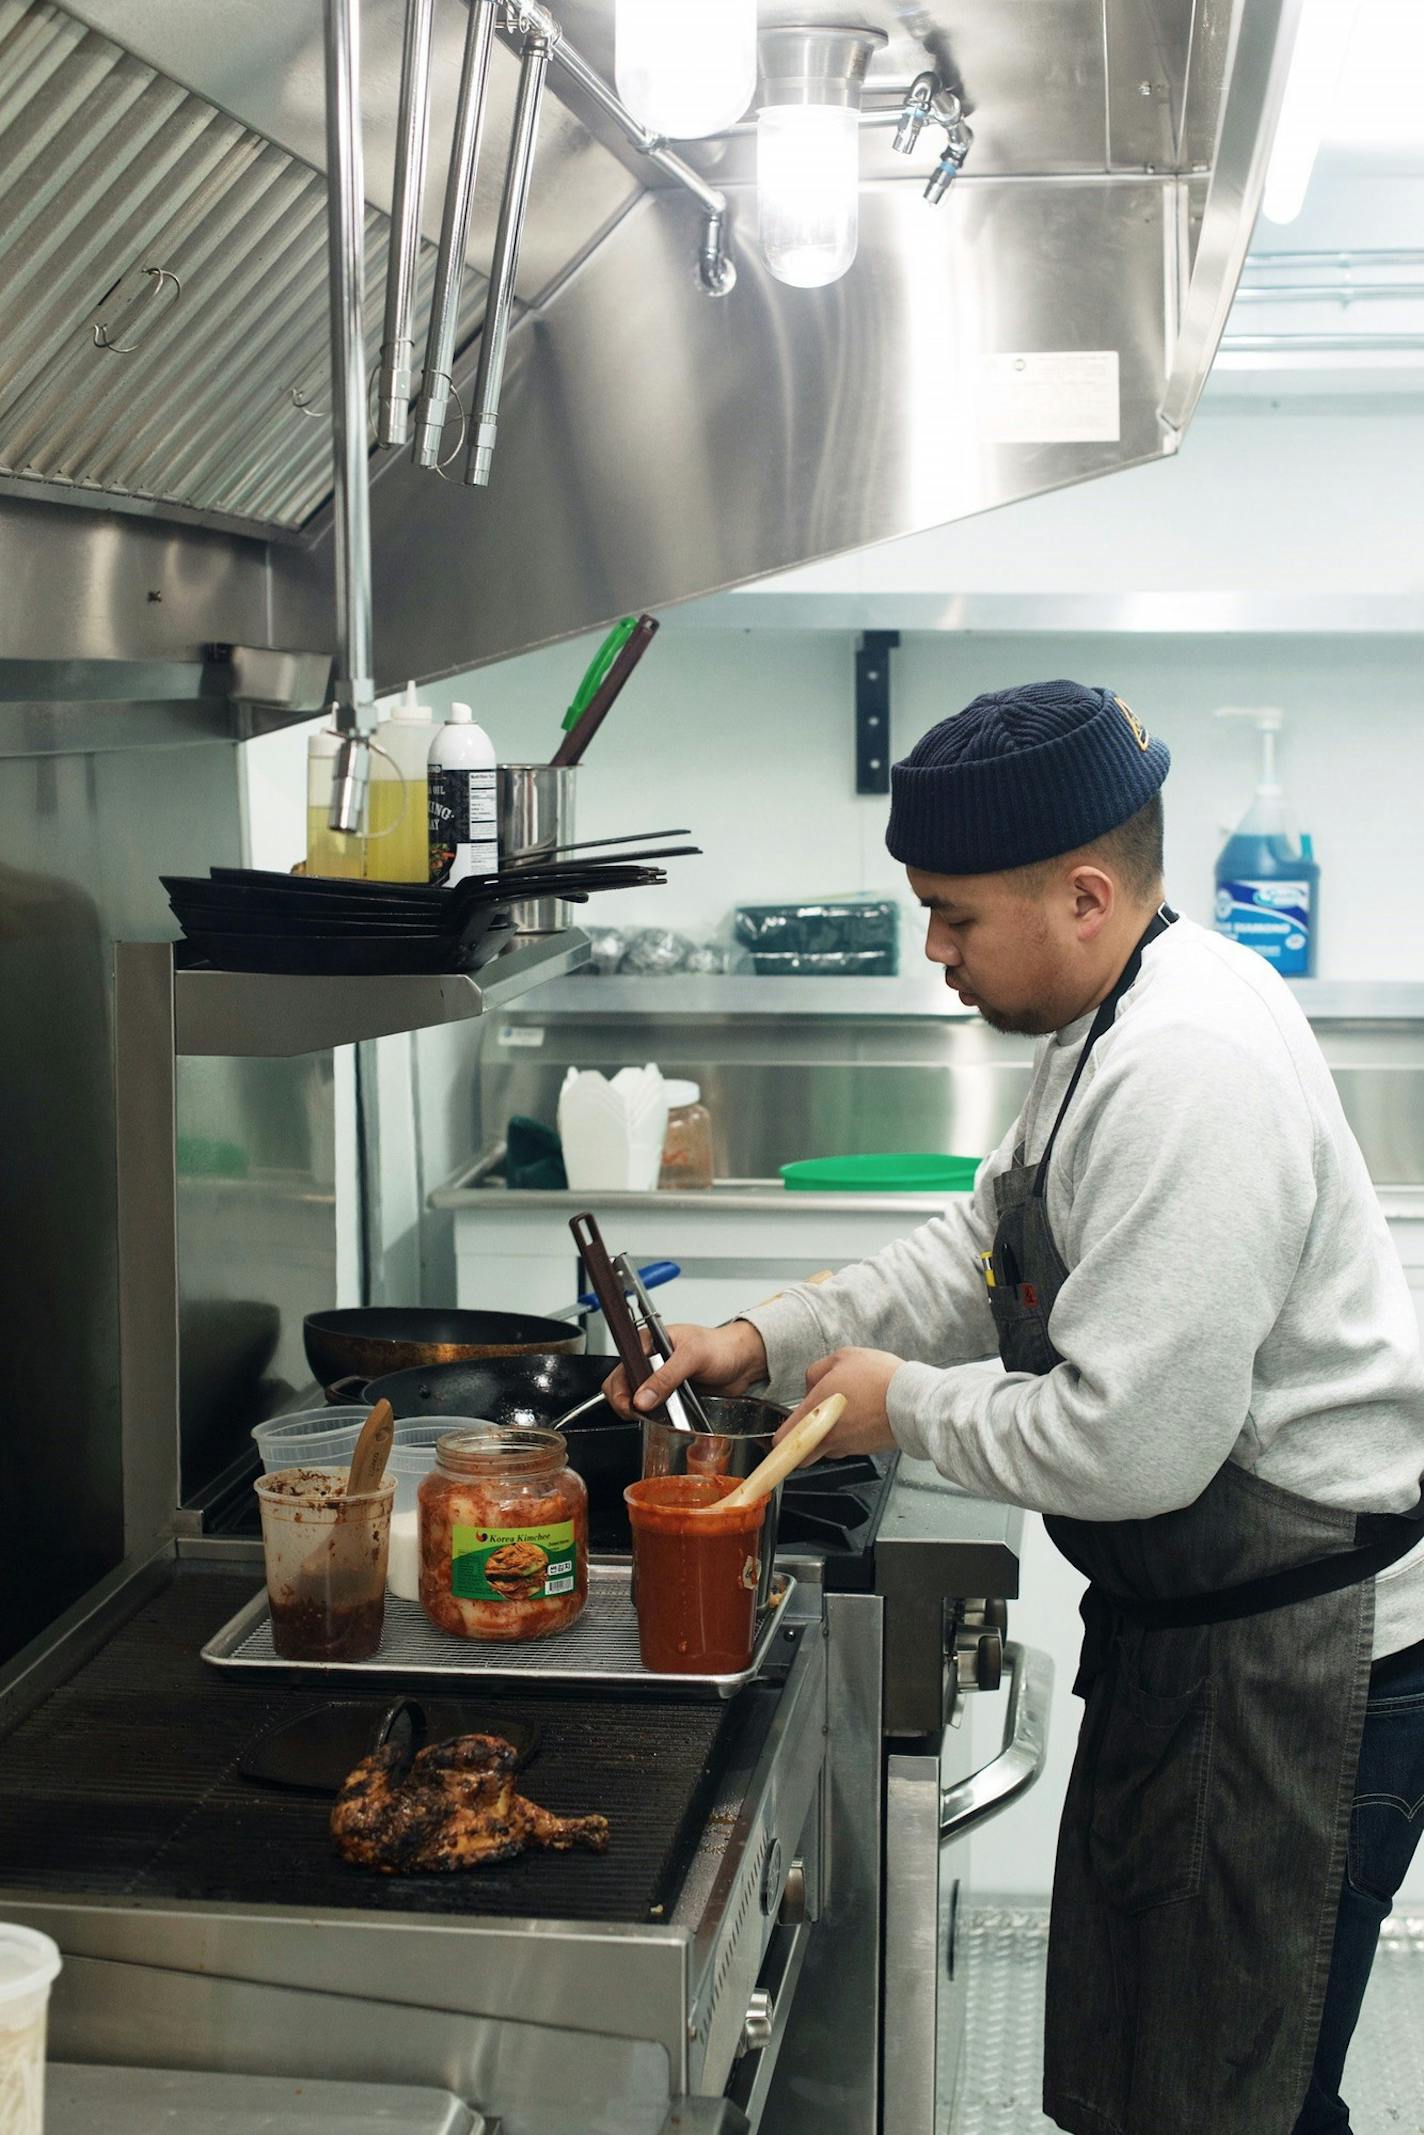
[(694, 1574)]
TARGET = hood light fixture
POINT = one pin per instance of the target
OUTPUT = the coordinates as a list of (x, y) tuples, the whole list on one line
[(808, 149), (686, 68)]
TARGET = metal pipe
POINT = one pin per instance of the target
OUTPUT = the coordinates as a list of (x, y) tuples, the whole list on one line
[(397, 372), (434, 404), (1321, 344), (716, 271), (345, 226), (1328, 292), (499, 304)]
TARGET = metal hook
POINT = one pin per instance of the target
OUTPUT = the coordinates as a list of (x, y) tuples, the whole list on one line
[(454, 452), (121, 348)]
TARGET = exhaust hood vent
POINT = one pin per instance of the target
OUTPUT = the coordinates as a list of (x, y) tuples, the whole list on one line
[(164, 267)]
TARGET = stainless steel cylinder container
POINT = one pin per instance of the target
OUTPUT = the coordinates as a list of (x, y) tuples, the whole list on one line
[(536, 817)]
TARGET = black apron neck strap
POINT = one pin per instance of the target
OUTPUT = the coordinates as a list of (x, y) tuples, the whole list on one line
[(1161, 919)]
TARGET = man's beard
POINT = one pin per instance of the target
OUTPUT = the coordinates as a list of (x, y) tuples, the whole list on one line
[(1028, 1023)]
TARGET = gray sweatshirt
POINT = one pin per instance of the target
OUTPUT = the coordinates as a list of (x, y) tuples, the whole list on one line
[(1233, 1290)]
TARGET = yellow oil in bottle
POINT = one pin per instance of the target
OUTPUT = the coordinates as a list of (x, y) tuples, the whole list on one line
[(398, 831), (330, 853)]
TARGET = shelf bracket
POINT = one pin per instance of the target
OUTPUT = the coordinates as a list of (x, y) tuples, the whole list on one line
[(872, 710)]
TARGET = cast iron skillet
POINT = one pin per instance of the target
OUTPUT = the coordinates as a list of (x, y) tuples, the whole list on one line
[(367, 1342), (535, 1389)]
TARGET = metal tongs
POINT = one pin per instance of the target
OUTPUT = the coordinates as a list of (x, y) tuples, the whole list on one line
[(683, 1405), (610, 1286)]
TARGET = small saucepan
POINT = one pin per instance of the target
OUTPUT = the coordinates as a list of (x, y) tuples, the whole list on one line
[(541, 1389)]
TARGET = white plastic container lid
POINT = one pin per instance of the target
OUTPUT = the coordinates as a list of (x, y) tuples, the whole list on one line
[(324, 742), (680, 1094), (29, 1962)]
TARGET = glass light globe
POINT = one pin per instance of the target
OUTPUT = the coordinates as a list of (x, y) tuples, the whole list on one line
[(686, 68), (808, 191)]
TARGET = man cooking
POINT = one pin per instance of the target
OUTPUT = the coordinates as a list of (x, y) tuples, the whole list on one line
[(1171, 1319)]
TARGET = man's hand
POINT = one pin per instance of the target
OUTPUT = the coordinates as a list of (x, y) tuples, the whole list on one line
[(727, 1360), (863, 1376)]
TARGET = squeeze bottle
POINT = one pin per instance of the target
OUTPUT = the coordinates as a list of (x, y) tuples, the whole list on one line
[(464, 818), (397, 837), (1267, 878)]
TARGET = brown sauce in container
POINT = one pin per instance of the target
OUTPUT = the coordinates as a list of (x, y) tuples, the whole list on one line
[(695, 1574)]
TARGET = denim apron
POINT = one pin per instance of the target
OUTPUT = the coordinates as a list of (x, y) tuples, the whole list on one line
[(1225, 1669)]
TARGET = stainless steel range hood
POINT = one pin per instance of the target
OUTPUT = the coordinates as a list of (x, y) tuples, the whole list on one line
[(162, 349)]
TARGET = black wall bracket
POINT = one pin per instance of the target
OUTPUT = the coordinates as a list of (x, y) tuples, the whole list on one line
[(872, 710)]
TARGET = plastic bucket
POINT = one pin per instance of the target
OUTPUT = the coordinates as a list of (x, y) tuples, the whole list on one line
[(29, 1964), (903, 1174)]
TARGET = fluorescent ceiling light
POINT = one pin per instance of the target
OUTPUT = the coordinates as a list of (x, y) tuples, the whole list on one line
[(1379, 98), (1357, 76), (1311, 93)]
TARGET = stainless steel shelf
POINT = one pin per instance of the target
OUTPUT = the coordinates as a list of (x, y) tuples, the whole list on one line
[(237, 1014), (915, 993)]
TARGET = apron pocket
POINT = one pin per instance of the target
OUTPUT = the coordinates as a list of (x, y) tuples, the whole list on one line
[(1146, 1837)]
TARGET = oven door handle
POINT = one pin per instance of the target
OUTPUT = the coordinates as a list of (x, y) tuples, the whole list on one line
[(972, 1801)]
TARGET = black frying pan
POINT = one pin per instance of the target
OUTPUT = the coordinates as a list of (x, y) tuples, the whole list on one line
[(367, 1342), (534, 1389)]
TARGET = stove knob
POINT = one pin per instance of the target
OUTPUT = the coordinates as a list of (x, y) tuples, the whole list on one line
[(793, 1898), (760, 2022), (979, 1660)]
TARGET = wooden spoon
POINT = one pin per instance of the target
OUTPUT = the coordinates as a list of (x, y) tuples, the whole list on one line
[(797, 1446), (373, 1451)]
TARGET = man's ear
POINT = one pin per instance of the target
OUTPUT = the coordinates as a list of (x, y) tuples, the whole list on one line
[(1094, 900)]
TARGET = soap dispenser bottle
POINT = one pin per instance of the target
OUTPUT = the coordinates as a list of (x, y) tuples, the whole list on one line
[(1267, 877)]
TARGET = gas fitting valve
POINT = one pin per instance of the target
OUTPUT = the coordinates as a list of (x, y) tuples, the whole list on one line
[(929, 103)]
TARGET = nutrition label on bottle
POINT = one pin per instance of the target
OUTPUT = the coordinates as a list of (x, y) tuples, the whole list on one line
[(464, 835)]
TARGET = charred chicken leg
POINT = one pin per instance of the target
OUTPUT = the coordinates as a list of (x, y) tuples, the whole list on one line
[(451, 1806)]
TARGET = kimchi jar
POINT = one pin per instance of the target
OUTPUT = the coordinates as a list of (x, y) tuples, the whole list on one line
[(503, 1535)]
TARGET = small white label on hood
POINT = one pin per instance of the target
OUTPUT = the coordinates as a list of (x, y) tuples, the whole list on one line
[(1051, 397), (521, 1034)]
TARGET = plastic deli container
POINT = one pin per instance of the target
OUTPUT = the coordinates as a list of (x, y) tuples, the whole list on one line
[(503, 1535), (907, 1174), (313, 1438), (695, 1574), (412, 1459), (326, 1563), (29, 1964)]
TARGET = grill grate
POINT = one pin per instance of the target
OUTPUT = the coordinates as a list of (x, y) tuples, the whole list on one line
[(124, 1783), (600, 1650)]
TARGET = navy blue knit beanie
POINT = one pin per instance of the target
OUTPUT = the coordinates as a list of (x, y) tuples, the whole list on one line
[(1021, 775)]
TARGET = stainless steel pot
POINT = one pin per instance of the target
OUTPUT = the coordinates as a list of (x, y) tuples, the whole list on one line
[(743, 1433)]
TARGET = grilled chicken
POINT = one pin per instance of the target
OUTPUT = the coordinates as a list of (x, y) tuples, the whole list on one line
[(451, 1806)]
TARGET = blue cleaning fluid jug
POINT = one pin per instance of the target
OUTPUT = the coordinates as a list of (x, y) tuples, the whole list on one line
[(1267, 878)]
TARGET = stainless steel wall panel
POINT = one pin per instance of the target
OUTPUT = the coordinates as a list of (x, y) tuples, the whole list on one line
[(83, 838), (91, 586)]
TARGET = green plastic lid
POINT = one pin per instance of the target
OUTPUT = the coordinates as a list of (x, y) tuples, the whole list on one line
[(899, 1174)]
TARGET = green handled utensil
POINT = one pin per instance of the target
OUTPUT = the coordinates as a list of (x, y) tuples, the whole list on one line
[(598, 668), (617, 657)]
